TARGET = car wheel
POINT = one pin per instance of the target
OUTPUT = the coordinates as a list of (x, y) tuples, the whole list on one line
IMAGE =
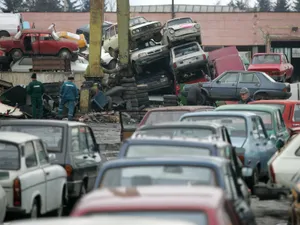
[(157, 37), (4, 34), (201, 100), (261, 96), (35, 210), (137, 69), (65, 54), (16, 54), (112, 64)]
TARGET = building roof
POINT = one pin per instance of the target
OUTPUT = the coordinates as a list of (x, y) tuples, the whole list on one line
[(16, 137), (164, 197)]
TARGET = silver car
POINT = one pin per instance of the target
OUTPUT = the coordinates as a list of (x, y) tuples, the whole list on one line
[(187, 58), (181, 30), (10, 24)]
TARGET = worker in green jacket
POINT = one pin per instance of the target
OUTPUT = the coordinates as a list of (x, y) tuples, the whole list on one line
[(36, 90)]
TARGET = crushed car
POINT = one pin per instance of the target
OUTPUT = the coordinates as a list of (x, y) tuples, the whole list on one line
[(181, 30)]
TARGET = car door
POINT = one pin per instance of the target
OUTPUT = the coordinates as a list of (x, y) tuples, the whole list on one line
[(22, 66), (52, 181), (250, 81), (225, 87), (287, 66), (48, 45)]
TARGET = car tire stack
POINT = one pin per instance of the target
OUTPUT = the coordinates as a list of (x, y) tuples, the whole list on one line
[(129, 95), (142, 95), (170, 100)]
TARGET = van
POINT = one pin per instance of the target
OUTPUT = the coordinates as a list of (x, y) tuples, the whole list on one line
[(10, 24)]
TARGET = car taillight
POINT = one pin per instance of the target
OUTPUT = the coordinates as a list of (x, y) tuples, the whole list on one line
[(204, 57), (177, 90), (18, 28), (241, 157), (284, 90), (174, 65), (69, 170), (17, 192)]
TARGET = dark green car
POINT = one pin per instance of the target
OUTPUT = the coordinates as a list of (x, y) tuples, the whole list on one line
[(270, 115)]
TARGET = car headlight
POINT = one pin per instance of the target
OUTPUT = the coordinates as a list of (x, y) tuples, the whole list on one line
[(133, 32), (197, 26), (172, 31), (137, 30), (142, 54)]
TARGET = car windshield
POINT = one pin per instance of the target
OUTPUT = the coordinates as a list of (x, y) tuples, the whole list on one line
[(279, 106), (268, 77), (179, 21), (165, 150), (148, 175), (176, 131), (136, 21), (9, 157), (235, 125), (50, 135), (164, 116), (186, 49), (266, 59), (196, 217)]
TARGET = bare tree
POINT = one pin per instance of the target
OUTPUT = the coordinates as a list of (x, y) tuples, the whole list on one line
[(110, 5), (218, 2)]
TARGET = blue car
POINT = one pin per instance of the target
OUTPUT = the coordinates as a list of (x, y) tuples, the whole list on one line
[(248, 135), (212, 171)]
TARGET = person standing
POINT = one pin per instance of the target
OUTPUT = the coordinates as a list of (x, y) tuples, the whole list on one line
[(194, 95), (68, 95), (245, 96), (36, 90)]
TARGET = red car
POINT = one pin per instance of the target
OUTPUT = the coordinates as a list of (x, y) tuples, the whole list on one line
[(290, 110), (276, 65), (202, 205), (38, 42)]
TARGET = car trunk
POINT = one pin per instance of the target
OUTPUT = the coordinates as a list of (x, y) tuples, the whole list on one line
[(6, 181)]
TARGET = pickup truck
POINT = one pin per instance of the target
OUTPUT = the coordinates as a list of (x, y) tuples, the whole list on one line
[(290, 110), (276, 65)]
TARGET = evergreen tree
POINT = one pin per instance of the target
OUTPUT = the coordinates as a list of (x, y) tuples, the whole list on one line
[(73, 6), (297, 5), (43, 5), (11, 5), (281, 6), (264, 5), (240, 4)]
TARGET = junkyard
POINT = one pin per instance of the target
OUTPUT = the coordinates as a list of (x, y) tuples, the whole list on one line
[(140, 113)]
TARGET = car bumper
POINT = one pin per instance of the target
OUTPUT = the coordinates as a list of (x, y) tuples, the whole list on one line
[(270, 191), (184, 37), (15, 210), (280, 95), (150, 59), (74, 188), (191, 66), (144, 36)]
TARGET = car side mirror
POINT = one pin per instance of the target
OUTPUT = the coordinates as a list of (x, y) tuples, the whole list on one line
[(247, 172), (273, 138), (51, 157), (279, 144)]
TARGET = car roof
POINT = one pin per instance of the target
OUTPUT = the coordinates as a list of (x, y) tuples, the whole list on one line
[(105, 220), (219, 113), (277, 101), (207, 161), (249, 107), (176, 141), (178, 124), (181, 108), (41, 122), (16, 137), (166, 197), (178, 18), (269, 53)]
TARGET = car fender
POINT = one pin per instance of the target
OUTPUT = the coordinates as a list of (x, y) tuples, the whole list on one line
[(42, 199), (205, 91), (269, 92)]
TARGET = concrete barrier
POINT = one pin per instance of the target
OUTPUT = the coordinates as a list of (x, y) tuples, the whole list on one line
[(24, 78)]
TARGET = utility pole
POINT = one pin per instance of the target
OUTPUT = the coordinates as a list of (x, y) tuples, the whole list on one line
[(173, 9)]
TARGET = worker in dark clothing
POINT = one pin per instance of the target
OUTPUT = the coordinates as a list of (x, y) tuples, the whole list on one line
[(36, 90), (69, 95), (245, 96), (194, 95)]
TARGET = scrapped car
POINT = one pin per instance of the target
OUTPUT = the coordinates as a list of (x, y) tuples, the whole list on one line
[(271, 117), (162, 202), (276, 65), (181, 144), (181, 30), (70, 144), (3, 204), (290, 110), (14, 25), (187, 58), (249, 137), (157, 115), (147, 53), (38, 42), (177, 171), (228, 85), (140, 30), (295, 207), (33, 186)]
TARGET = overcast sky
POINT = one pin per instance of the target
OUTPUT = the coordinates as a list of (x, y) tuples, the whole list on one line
[(187, 2)]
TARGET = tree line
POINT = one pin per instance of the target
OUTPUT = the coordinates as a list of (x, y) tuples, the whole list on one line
[(52, 5), (267, 5)]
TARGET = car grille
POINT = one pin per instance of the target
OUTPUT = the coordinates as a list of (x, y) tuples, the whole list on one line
[(184, 31), (153, 52), (148, 27)]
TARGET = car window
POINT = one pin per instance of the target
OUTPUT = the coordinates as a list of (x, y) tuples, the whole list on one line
[(261, 130), (255, 130), (90, 139), (75, 139), (296, 116), (284, 60), (116, 29), (229, 78), (46, 37), (137, 20), (42, 154), (278, 122), (164, 116), (282, 124), (112, 31), (107, 31), (30, 155), (179, 21), (248, 78), (266, 59), (83, 144), (26, 61), (186, 49), (9, 156)]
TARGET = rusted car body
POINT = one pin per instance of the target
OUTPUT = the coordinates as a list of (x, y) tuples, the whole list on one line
[(206, 204), (155, 115)]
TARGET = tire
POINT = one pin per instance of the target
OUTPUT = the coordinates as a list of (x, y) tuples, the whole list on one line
[(171, 97), (261, 96), (35, 210), (4, 34), (142, 95), (128, 85), (157, 37), (16, 54), (142, 87), (65, 54), (112, 64), (144, 99), (145, 103), (127, 80), (132, 93), (170, 101), (136, 68), (202, 99), (131, 89)]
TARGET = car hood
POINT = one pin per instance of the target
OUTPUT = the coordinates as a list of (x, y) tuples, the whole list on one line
[(143, 24), (238, 142), (182, 26), (264, 67)]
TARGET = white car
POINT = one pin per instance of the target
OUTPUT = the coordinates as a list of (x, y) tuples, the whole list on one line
[(24, 65), (107, 61), (3, 204), (285, 164), (32, 185)]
